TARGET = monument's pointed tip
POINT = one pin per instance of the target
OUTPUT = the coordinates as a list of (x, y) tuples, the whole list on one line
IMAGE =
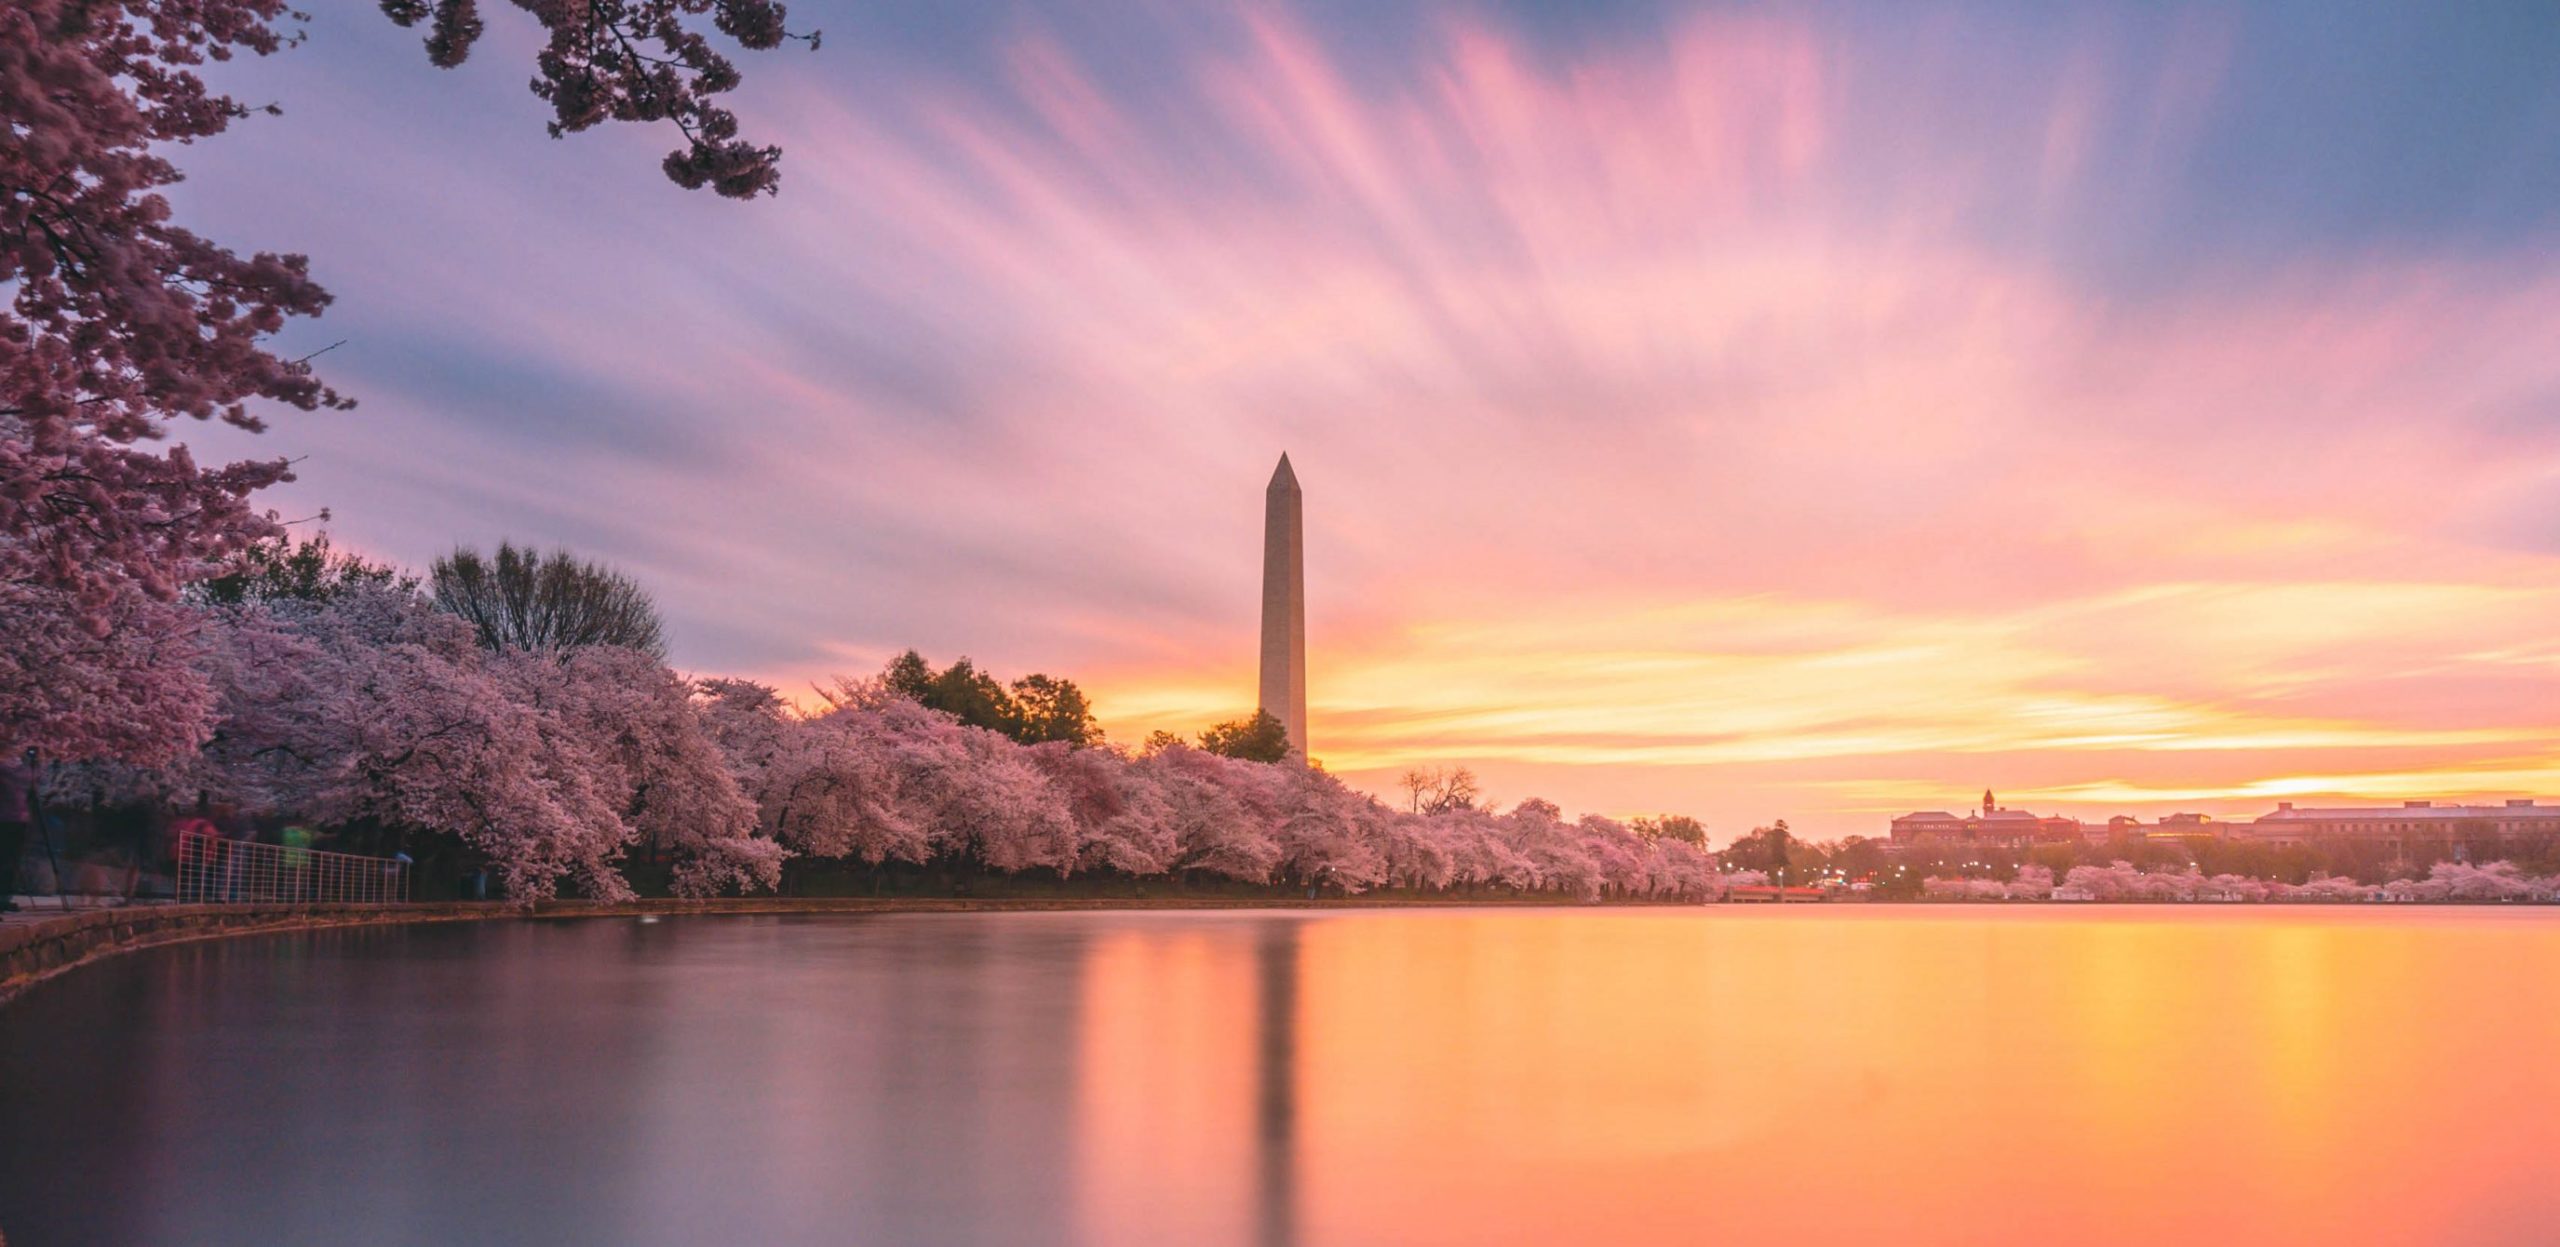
[(1282, 474)]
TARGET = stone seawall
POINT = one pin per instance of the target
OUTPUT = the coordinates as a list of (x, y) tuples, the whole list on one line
[(32, 951)]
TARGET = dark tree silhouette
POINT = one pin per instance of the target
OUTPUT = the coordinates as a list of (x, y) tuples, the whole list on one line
[(521, 599), (1046, 708), (1261, 738), (1439, 789), (283, 570), (1035, 710), (1679, 827), (636, 60), (1767, 849)]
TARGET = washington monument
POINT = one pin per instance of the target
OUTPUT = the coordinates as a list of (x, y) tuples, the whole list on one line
[(1284, 608)]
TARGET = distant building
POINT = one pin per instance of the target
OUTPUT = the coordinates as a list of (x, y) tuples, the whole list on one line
[(1925, 823), (1988, 825), (2408, 820), (2188, 828)]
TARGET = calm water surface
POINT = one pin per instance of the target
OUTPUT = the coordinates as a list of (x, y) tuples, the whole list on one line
[(1438, 1077)]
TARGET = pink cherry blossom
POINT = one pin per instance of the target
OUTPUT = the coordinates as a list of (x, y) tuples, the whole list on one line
[(122, 326)]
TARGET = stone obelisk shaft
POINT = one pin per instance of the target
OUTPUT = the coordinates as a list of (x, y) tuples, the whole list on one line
[(1284, 608)]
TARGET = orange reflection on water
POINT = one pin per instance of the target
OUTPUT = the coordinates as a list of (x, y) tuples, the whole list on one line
[(1833, 1075), (1164, 1146)]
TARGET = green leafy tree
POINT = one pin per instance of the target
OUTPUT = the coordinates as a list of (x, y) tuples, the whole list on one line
[(1036, 709), (1769, 849), (909, 676), (281, 569), (1046, 708), (1671, 827), (1860, 857), (973, 697), (1261, 738)]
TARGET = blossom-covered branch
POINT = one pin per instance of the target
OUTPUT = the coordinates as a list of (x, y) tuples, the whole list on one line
[(121, 325), (636, 60)]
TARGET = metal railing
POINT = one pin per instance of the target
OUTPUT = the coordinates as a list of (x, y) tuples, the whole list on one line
[(212, 869)]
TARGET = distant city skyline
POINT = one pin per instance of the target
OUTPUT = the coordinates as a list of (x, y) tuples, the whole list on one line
[(2514, 818), (1790, 413)]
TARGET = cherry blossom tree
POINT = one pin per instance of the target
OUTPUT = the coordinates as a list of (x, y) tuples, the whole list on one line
[(2115, 881), (114, 680), (2496, 881), (409, 727), (1224, 813), (1329, 835), (653, 755), (1481, 855), (371, 707), (120, 321), (1536, 830), (2330, 888), (826, 787), (1418, 852), (992, 803), (878, 777), (1616, 854), (265, 728), (752, 727), (1686, 867), (122, 325), (1123, 820)]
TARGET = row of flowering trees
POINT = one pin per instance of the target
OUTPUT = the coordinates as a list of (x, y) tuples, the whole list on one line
[(369, 706), (878, 778), (2122, 881)]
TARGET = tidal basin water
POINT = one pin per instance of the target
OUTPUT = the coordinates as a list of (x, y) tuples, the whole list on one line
[(1808, 1075)]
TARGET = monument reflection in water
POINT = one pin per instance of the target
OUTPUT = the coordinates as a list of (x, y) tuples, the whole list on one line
[(1458, 1077)]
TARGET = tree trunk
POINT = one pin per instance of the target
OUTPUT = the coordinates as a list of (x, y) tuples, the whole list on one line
[(35, 815)]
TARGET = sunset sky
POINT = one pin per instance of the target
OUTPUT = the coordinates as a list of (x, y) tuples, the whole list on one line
[(1817, 412)]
